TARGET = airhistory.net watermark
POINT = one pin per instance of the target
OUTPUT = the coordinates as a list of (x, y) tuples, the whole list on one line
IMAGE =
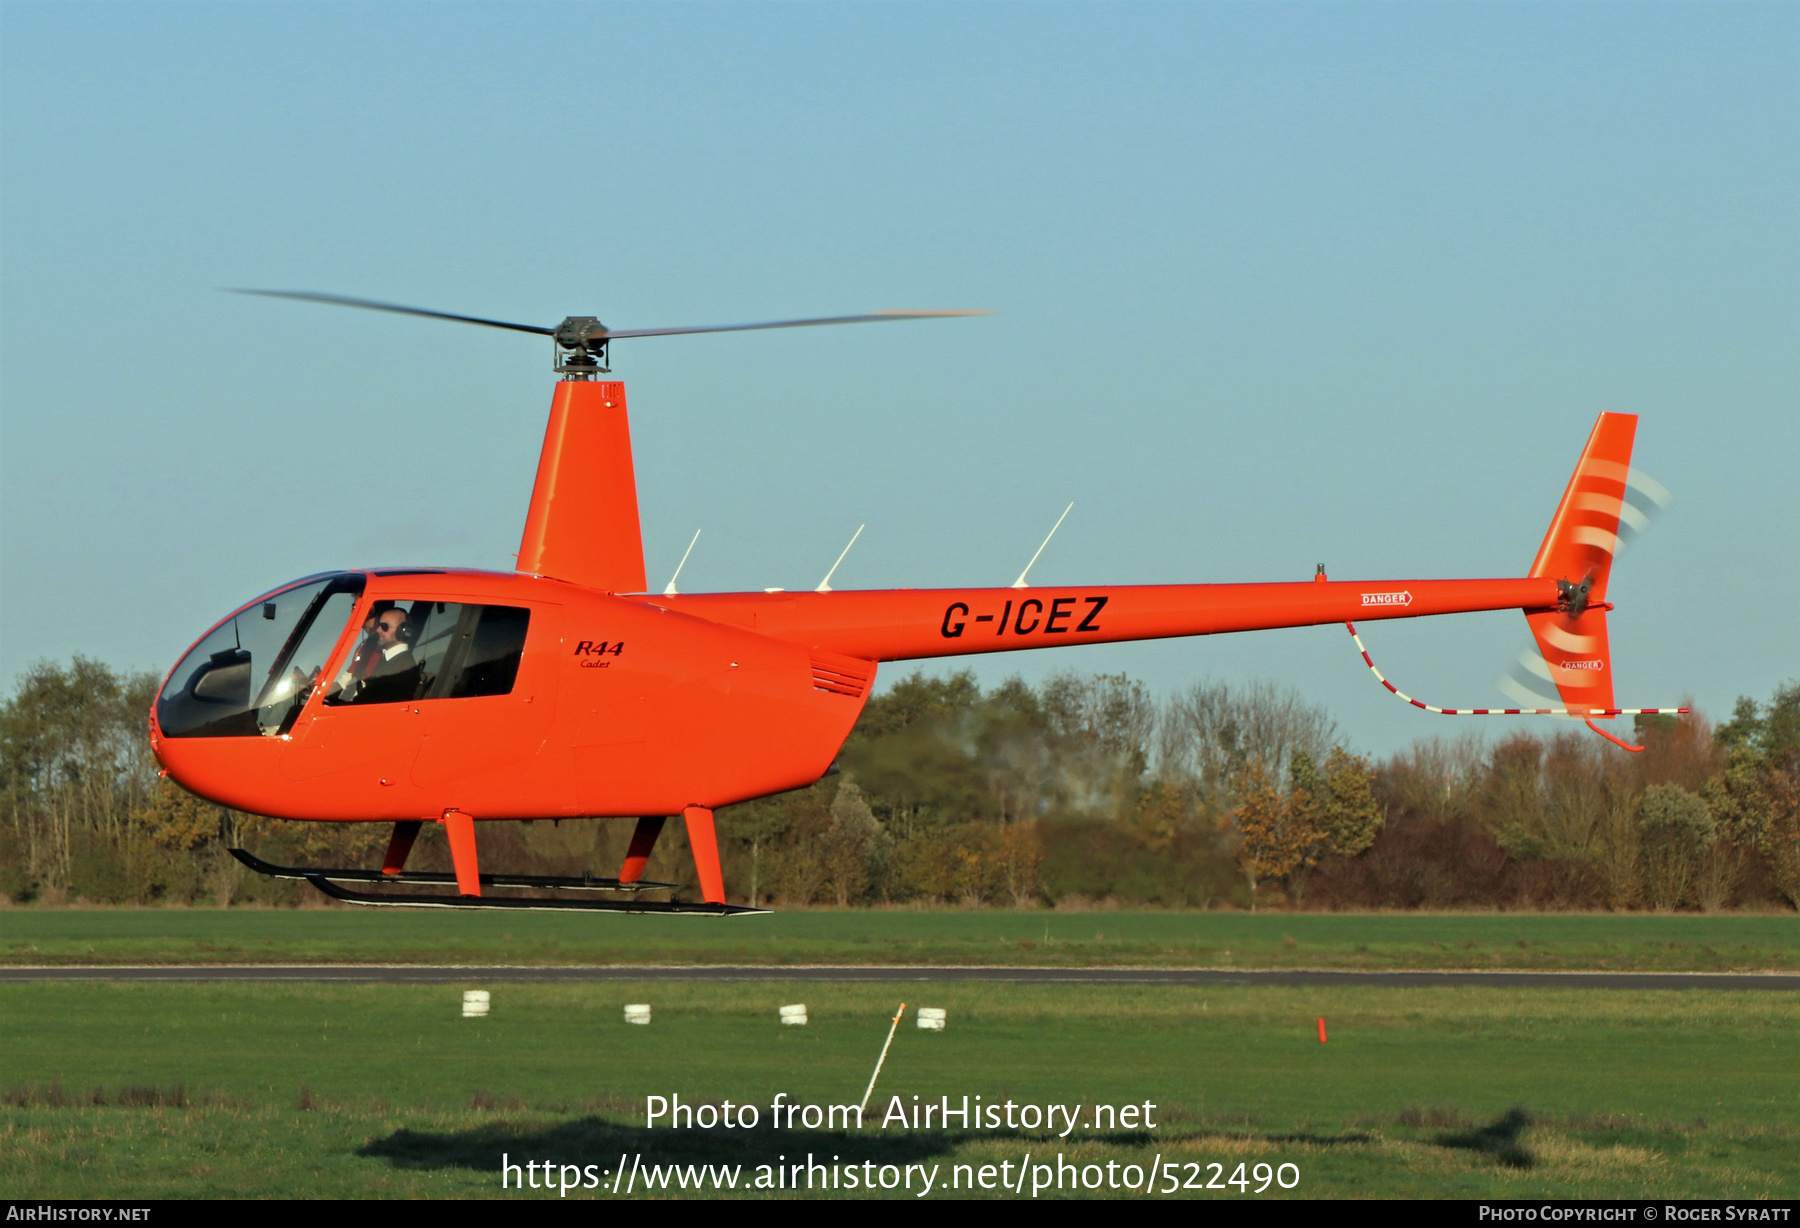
[(1033, 1175)]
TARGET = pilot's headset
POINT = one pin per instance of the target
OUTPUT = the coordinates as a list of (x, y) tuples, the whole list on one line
[(408, 633)]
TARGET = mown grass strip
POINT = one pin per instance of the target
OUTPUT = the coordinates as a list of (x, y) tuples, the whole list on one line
[(1552, 942)]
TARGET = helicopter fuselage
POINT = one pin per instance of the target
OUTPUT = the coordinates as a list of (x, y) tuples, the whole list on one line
[(616, 708), (639, 704), (565, 689)]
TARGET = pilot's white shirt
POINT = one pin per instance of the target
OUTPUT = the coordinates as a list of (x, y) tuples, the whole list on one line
[(344, 677)]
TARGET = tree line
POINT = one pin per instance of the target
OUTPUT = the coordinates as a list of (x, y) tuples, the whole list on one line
[(1078, 791)]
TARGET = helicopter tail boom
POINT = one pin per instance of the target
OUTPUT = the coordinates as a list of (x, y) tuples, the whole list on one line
[(912, 624), (1563, 597)]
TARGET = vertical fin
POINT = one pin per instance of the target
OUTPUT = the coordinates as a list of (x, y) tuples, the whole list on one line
[(1578, 551), (582, 525), (1584, 533)]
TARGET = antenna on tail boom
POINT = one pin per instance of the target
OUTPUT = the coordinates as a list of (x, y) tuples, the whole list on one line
[(670, 590), (825, 584), (1020, 582)]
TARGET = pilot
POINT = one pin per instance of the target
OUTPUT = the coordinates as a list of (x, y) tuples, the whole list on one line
[(362, 658), (392, 671), (382, 668), (362, 661)]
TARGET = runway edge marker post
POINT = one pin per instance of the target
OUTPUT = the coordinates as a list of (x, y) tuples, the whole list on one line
[(894, 1027)]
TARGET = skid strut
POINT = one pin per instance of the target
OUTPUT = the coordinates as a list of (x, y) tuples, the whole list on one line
[(400, 845), (643, 840), (460, 828), (705, 843)]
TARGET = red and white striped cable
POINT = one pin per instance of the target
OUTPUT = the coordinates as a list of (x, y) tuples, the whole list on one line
[(1367, 660)]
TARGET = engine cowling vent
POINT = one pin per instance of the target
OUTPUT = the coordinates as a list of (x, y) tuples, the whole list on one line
[(841, 675)]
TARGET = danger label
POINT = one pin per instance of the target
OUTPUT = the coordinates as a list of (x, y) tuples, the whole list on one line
[(1402, 598)]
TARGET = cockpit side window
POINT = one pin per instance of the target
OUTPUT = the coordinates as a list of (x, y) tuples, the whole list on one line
[(490, 655), (420, 650)]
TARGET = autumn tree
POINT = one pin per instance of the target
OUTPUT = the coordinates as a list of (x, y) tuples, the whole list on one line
[(1277, 833), (1678, 832), (854, 847), (1020, 859), (74, 761), (1213, 731), (1342, 797), (1756, 799)]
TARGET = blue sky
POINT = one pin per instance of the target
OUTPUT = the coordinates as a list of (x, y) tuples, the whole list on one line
[(1279, 284)]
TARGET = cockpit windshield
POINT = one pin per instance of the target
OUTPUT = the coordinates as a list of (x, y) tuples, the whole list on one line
[(252, 675)]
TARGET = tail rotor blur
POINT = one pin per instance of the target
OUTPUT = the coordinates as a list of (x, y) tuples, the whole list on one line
[(1527, 682), (1644, 500), (1531, 680), (1569, 671)]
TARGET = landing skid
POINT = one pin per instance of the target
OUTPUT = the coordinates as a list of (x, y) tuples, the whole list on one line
[(543, 881), (523, 903)]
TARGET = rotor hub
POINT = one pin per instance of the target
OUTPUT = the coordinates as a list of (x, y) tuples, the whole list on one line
[(580, 348), (1573, 598)]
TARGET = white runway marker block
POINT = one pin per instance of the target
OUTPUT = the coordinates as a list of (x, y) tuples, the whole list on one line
[(475, 1003), (794, 1015), (932, 1018), (637, 1012)]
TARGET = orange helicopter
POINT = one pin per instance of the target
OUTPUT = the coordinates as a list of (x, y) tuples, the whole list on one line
[(565, 689)]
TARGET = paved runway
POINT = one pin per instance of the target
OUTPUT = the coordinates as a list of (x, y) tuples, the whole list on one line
[(403, 974)]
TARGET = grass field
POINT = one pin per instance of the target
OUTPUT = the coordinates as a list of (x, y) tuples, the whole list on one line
[(1732, 942), (372, 1090)]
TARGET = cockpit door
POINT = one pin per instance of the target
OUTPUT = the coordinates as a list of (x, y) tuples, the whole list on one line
[(371, 744), (475, 735)]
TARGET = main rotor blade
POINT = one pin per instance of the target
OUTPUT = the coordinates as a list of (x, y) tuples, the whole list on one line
[(340, 300), (602, 333), (612, 334)]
